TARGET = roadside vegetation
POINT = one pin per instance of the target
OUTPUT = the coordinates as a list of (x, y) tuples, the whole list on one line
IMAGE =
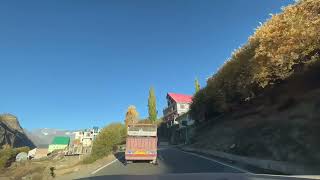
[(152, 106), (264, 101), (8, 155), (287, 44), (107, 142)]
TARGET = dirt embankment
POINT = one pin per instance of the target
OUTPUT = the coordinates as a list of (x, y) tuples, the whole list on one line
[(282, 124), (53, 168)]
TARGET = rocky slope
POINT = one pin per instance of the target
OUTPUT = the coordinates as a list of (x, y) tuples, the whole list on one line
[(11, 132)]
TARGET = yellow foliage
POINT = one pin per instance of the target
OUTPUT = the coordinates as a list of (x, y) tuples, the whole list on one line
[(286, 40), (132, 116), (279, 48)]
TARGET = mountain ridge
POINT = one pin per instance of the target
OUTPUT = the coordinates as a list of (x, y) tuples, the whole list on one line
[(11, 132), (44, 136)]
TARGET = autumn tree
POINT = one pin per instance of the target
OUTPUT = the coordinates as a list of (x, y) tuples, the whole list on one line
[(152, 106), (197, 85), (132, 116), (286, 44)]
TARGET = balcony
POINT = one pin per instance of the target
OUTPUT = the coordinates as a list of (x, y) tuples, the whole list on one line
[(169, 110)]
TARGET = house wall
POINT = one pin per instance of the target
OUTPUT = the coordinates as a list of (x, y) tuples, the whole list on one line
[(32, 152), (87, 141), (86, 137), (53, 147), (175, 110), (187, 118), (182, 108), (41, 153)]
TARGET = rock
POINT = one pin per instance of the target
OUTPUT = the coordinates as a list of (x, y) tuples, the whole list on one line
[(23, 156), (11, 132)]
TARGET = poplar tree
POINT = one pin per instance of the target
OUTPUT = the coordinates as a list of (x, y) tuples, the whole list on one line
[(152, 106)]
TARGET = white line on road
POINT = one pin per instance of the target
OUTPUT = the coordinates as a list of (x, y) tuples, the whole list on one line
[(210, 159), (94, 172)]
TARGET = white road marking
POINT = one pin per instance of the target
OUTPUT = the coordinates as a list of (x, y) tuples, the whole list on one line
[(210, 159), (293, 176), (94, 172), (245, 171)]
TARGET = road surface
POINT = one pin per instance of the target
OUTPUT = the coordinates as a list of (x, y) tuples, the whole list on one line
[(171, 161)]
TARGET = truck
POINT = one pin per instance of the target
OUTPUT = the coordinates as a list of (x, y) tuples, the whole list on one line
[(141, 143)]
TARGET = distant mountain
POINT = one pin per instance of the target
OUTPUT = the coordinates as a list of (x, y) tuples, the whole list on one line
[(44, 136), (12, 133)]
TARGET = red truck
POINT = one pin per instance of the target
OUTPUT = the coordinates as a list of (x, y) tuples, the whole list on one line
[(141, 143)]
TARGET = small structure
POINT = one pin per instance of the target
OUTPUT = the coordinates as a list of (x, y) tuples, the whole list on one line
[(23, 156), (59, 143), (37, 153)]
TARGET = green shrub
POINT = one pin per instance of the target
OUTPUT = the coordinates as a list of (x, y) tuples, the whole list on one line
[(8, 155), (285, 44), (107, 141)]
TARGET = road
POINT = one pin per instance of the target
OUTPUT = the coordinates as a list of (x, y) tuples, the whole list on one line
[(170, 161)]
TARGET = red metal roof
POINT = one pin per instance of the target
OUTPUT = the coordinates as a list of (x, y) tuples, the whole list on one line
[(180, 98)]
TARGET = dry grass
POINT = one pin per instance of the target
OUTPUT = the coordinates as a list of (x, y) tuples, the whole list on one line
[(64, 168), (288, 43), (279, 131)]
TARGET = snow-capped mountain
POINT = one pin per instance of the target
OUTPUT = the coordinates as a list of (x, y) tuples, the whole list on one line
[(44, 136)]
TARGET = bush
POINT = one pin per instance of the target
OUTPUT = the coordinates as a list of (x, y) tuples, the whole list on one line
[(282, 46), (107, 141), (8, 155)]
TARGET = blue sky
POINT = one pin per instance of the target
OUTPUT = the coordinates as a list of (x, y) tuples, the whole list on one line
[(74, 64)]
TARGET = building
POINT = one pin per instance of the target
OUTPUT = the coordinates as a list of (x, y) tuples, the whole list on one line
[(185, 120), (82, 144), (59, 143), (178, 104), (87, 136), (37, 153)]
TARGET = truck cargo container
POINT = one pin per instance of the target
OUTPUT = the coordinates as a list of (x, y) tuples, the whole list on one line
[(141, 143)]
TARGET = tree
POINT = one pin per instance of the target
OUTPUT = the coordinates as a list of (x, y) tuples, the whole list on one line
[(152, 106), (107, 141), (132, 116), (197, 85)]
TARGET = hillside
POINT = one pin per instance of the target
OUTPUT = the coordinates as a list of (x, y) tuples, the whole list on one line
[(279, 124), (264, 101), (11, 132)]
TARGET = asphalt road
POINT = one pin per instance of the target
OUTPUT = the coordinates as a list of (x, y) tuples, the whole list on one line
[(170, 161)]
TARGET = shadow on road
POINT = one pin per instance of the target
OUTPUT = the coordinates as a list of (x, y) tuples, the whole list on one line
[(120, 157), (170, 161)]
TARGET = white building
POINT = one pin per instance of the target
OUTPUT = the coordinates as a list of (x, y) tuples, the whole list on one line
[(37, 153), (87, 136), (185, 120), (178, 104)]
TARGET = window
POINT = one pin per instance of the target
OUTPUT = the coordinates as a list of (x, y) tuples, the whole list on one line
[(182, 106)]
